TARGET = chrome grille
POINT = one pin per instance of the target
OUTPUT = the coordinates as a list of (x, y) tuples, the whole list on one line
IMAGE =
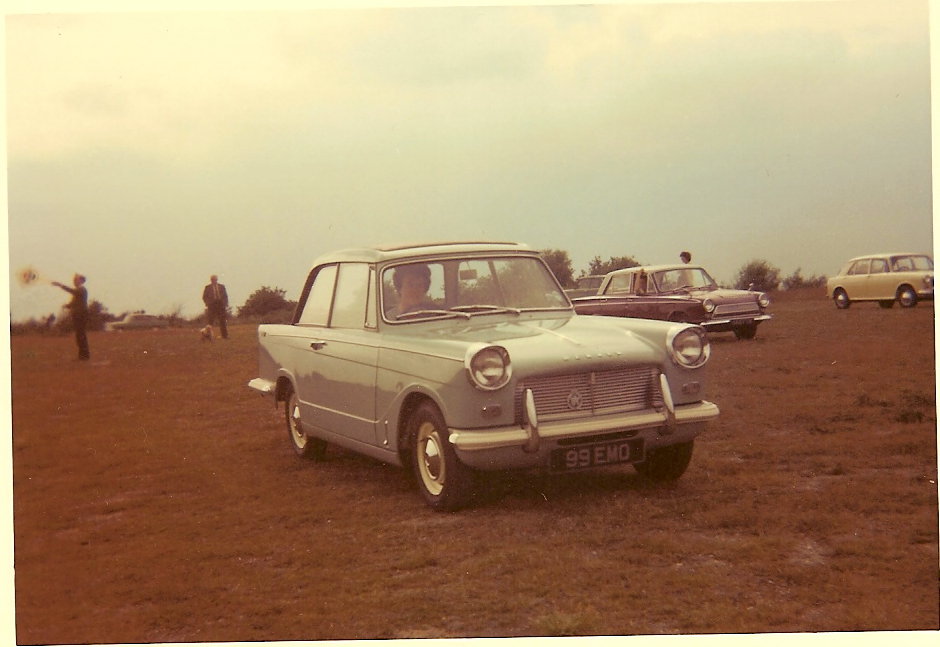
[(737, 309), (581, 395)]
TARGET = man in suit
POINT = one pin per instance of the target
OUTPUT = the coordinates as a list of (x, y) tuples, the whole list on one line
[(78, 307), (216, 300)]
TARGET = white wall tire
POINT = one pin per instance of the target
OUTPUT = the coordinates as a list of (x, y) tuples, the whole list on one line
[(445, 483)]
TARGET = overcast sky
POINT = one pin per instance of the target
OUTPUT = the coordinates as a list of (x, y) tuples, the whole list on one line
[(149, 151)]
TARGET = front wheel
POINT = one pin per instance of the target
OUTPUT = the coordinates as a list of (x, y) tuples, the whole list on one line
[(445, 483), (666, 463), (841, 299), (746, 332), (304, 445), (907, 297)]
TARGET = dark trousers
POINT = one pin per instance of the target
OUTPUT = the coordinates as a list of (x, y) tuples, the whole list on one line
[(81, 338), (217, 313)]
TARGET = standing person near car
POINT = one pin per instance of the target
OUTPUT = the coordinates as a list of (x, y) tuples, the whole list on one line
[(685, 277), (78, 307), (216, 299)]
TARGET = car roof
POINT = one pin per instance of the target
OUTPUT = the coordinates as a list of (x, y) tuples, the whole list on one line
[(379, 254), (657, 268), (862, 258)]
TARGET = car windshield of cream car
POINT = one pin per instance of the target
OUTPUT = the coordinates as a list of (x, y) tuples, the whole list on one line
[(464, 288)]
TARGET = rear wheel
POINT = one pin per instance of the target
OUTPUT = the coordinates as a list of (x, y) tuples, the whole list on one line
[(445, 482), (841, 299), (666, 463), (304, 445), (907, 297)]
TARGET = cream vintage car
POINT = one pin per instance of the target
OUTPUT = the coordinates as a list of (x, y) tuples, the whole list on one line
[(455, 359), (905, 278)]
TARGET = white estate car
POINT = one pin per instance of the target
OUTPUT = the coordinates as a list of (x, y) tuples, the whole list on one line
[(903, 277)]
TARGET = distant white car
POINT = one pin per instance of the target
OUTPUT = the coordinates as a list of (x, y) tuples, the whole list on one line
[(137, 321), (885, 278)]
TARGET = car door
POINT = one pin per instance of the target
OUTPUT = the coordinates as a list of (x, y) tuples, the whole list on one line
[(856, 279), (880, 282), (337, 366)]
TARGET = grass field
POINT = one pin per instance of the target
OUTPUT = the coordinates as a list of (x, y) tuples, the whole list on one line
[(156, 499)]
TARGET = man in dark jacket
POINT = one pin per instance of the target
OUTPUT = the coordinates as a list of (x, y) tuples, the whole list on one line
[(216, 300), (78, 307)]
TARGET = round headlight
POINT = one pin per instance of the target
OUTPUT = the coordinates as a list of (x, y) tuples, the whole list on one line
[(709, 305), (689, 346), (489, 367), (763, 300)]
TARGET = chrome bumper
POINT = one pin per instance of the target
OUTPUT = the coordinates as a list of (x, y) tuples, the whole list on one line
[(530, 435), (729, 321)]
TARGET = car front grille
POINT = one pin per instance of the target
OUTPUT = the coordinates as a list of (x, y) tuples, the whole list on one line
[(736, 309), (581, 395)]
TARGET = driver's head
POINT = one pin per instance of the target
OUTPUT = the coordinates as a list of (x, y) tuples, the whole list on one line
[(412, 277)]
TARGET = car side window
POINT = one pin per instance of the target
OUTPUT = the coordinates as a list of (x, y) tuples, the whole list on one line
[(879, 266), (859, 267), (621, 283), (316, 310), (352, 292)]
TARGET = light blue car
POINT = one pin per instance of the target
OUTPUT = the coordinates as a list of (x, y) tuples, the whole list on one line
[(460, 358)]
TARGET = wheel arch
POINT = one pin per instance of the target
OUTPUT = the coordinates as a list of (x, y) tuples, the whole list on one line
[(902, 286), (409, 405), (282, 387)]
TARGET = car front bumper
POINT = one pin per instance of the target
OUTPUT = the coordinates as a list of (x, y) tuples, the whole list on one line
[(531, 445), (726, 324)]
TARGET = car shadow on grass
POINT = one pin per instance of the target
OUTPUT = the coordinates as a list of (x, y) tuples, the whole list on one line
[(346, 470), (536, 487)]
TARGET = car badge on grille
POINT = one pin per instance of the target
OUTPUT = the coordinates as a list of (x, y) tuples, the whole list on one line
[(575, 399)]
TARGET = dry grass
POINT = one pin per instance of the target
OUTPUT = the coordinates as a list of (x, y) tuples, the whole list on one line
[(156, 500)]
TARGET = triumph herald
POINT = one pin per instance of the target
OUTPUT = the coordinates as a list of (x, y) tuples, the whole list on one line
[(461, 358)]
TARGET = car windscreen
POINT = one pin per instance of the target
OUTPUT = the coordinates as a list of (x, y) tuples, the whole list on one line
[(684, 277), (466, 287)]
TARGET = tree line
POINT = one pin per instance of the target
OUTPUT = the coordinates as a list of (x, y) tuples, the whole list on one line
[(270, 304), (264, 305)]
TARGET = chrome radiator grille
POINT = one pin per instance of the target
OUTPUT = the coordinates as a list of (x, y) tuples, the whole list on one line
[(581, 395), (732, 309)]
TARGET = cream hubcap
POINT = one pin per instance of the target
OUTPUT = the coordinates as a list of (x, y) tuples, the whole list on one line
[(430, 458), (300, 439)]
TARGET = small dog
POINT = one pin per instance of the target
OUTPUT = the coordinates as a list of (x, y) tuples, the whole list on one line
[(205, 333)]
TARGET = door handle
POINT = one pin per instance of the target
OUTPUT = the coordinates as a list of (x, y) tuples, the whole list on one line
[(317, 345)]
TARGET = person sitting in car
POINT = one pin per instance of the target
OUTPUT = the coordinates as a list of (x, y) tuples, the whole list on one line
[(411, 283)]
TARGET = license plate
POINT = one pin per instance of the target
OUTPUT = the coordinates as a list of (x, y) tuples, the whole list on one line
[(597, 454)]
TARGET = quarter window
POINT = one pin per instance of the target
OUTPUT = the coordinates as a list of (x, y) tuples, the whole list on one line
[(621, 283), (352, 292), (859, 267), (316, 310)]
